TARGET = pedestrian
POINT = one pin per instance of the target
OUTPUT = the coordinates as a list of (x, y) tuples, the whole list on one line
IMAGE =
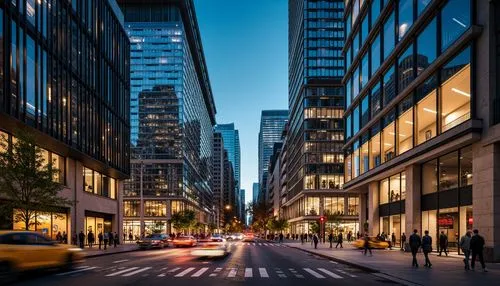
[(65, 237), (115, 239), (349, 236), (315, 240), (99, 239), (367, 244), (301, 238), (465, 246), (476, 247), (59, 237), (358, 235), (81, 238), (393, 240), (403, 241), (330, 239), (415, 243), (106, 239), (111, 238), (443, 244), (281, 238), (90, 238), (130, 237), (427, 248), (339, 240)]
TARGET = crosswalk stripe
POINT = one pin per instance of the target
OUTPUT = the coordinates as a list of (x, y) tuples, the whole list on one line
[(232, 272), (77, 271), (135, 272), (263, 273), (348, 274), (260, 243), (314, 273), (185, 272), (329, 273), (218, 269), (120, 261), (248, 272), (253, 243), (161, 275), (200, 272), (122, 271), (175, 269)]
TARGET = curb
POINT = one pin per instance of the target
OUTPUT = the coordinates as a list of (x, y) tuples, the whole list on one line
[(109, 253), (358, 266)]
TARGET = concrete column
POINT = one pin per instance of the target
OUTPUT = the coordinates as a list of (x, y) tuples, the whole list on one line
[(118, 217), (373, 211), (413, 211), (321, 205), (485, 200), (362, 217)]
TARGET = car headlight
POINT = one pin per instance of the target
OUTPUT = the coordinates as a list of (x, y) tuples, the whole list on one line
[(74, 249)]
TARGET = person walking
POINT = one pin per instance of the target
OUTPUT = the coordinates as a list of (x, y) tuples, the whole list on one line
[(81, 239), (315, 240), (111, 238), (443, 243), (131, 237), (339, 240), (90, 238), (59, 237), (367, 244), (99, 238), (403, 241), (465, 246), (106, 240), (393, 240), (349, 237), (281, 238), (427, 248), (330, 238), (476, 247), (301, 238), (115, 239), (415, 243), (65, 237)]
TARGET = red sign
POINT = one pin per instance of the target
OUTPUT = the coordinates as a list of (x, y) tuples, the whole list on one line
[(470, 220), (445, 222)]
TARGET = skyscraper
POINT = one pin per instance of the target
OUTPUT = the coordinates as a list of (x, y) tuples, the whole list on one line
[(316, 103), (272, 123), (66, 81), (173, 172), (218, 179), (255, 191), (231, 138)]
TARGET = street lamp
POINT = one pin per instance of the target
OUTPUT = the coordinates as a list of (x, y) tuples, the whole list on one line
[(228, 207)]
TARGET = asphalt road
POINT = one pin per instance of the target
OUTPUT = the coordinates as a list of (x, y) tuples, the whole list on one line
[(259, 263)]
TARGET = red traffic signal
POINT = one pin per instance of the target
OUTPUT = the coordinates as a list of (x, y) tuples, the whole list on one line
[(322, 219)]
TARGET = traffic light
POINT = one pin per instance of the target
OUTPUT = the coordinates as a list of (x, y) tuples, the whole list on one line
[(322, 219)]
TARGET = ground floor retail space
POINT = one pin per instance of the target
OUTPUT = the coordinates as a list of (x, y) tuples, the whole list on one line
[(310, 226)]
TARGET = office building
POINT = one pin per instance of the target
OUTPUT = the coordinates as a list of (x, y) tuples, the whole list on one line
[(255, 191), (422, 105), (172, 170), (230, 199), (69, 89), (271, 128), (218, 179), (316, 130), (243, 213)]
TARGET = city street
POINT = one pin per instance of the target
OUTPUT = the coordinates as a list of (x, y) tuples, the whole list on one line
[(248, 263)]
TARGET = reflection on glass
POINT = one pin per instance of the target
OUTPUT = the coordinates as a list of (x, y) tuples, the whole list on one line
[(389, 35), (365, 159), (405, 131), (429, 172), (375, 56), (448, 172), (455, 19), (384, 191), (426, 118), (466, 167), (375, 159), (405, 68), (405, 17), (426, 46), (388, 139), (375, 100), (456, 99)]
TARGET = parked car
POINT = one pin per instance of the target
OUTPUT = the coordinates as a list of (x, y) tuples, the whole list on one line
[(248, 237), (22, 251), (211, 247), (216, 238), (155, 240), (186, 240), (373, 242)]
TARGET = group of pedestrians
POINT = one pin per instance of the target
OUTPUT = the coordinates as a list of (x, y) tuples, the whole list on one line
[(104, 239)]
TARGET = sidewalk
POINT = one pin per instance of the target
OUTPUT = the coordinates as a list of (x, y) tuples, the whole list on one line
[(396, 265), (121, 248)]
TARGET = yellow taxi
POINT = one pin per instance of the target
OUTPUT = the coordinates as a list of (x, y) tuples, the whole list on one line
[(373, 242), (26, 250)]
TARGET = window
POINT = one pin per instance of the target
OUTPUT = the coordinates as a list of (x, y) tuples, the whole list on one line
[(365, 159), (177, 206), (455, 19), (355, 10), (312, 206), (466, 167), (375, 57), (384, 191), (30, 77), (348, 127), (421, 5), (348, 168), (426, 115), (348, 92), (353, 206), (155, 208), (389, 35), (364, 70), (58, 162), (405, 17), (375, 159), (348, 57), (455, 91), (375, 100), (355, 83), (448, 172), (88, 180), (389, 86), (426, 47), (97, 183), (429, 177), (375, 10), (355, 160), (131, 208), (405, 126), (388, 139), (364, 29), (365, 111), (355, 120), (348, 25), (405, 68)]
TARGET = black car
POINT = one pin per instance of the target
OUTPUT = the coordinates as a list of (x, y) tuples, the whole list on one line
[(155, 240)]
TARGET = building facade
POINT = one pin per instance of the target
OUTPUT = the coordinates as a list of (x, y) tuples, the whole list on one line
[(316, 130), (255, 191), (230, 199), (274, 182), (422, 132), (166, 51), (70, 89), (218, 179), (272, 123)]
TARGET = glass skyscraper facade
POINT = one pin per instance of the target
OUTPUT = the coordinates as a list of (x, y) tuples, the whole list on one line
[(173, 171), (272, 123), (231, 138)]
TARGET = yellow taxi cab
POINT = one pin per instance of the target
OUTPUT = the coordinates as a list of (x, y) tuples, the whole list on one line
[(26, 250), (373, 242)]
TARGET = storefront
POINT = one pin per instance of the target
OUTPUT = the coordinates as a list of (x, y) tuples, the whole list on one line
[(392, 194), (47, 223), (132, 228), (97, 223), (447, 197)]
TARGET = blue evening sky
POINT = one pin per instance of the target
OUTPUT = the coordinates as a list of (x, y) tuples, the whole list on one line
[(246, 49)]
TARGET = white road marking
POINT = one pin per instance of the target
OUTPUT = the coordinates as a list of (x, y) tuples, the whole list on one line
[(185, 272), (218, 269), (200, 272), (135, 272), (253, 243), (334, 262), (162, 275), (232, 273), (77, 271), (248, 272), (346, 273), (263, 273), (329, 273), (314, 273), (173, 270), (281, 275), (120, 261), (260, 243), (122, 271)]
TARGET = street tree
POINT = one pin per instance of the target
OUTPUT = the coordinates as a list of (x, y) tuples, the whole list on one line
[(183, 220), (27, 181), (277, 224), (260, 215)]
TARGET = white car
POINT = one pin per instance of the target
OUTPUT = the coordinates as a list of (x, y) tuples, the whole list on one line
[(212, 247)]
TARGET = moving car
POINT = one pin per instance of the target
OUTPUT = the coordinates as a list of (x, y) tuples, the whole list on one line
[(373, 241), (26, 250), (248, 237), (185, 240), (155, 240), (212, 247)]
